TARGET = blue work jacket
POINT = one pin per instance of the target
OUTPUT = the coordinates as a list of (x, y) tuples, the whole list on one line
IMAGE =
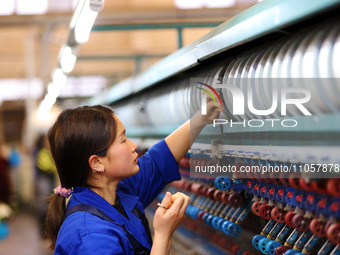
[(83, 233)]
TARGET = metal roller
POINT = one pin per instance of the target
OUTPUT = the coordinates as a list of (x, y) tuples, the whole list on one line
[(248, 75), (259, 84), (311, 52), (310, 70)]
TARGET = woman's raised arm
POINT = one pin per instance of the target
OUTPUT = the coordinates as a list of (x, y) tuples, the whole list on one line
[(181, 139)]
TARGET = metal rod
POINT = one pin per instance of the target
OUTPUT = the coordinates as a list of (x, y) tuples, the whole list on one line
[(153, 26), (180, 37)]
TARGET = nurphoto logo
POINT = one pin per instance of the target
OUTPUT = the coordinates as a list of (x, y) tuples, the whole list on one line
[(279, 97)]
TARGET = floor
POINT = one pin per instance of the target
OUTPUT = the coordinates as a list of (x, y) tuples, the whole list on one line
[(24, 237)]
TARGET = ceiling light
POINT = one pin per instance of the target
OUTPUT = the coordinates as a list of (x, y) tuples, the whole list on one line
[(84, 18), (53, 91), (67, 59), (59, 78), (80, 28), (45, 106)]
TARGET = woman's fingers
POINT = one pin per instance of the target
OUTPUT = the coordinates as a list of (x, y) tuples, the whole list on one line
[(183, 205), (166, 202), (176, 206)]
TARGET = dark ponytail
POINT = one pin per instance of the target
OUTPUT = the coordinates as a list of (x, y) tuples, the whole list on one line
[(54, 218), (76, 135)]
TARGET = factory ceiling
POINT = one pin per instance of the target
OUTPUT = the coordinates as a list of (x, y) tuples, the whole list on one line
[(30, 45)]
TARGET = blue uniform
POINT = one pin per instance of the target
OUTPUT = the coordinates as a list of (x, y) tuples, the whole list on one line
[(83, 233)]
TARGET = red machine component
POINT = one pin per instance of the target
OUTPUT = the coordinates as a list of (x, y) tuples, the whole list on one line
[(225, 196), (198, 189), (318, 227), (255, 208), (278, 214), (294, 182), (306, 185), (234, 249), (281, 250), (288, 218), (320, 186), (218, 195), (333, 233), (200, 216), (333, 187), (210, 193), (265, 211), (300, 222), (235, 200)]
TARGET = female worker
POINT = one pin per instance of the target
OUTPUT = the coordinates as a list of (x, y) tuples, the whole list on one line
[(110, 187)]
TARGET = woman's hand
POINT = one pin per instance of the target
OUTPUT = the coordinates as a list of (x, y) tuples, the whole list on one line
[(166, 221), (182, 138), (213, 112)]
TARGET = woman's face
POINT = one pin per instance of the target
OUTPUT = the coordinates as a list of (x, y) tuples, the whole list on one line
[(121, 158)]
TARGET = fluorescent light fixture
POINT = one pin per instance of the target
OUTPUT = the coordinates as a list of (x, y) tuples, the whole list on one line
[(31, 7), (76, 13), (45, 106), (67, 59), (80, 27), (83, 19), (59, 78), (84, 25), (44, 124), (53, 91)]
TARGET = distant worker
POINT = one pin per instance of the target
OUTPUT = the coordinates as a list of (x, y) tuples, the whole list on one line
[(5, 180), (45, 177)]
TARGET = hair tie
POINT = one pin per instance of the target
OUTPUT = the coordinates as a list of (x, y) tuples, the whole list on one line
[(62, 191)]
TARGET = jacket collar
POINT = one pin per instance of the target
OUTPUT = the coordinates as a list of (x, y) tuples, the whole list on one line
[(87, 196)]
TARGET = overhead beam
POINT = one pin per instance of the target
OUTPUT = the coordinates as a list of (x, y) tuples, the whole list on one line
[(174, 15), (126, 16)]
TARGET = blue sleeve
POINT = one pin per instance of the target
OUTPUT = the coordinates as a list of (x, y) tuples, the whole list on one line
[(157, 168), (99, 243)]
